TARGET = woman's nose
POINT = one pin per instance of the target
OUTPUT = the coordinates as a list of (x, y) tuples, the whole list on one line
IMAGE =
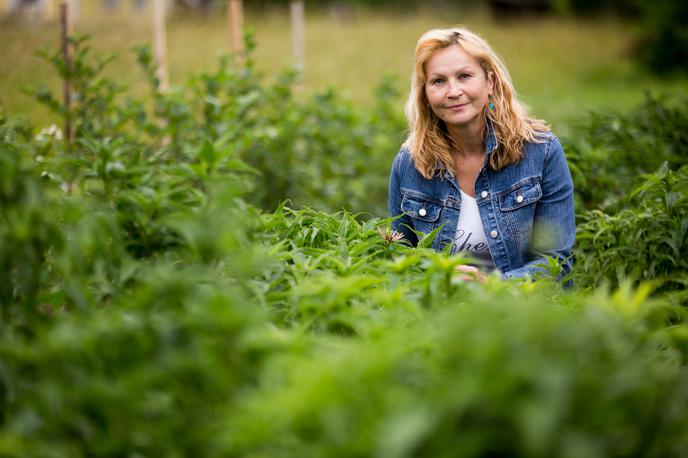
[(453, 90)]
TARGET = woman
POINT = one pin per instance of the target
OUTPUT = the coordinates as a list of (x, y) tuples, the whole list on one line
[(477, 166)]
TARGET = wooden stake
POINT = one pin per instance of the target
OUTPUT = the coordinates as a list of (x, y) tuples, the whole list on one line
[(50, 10), (298, 40), (235, 23), (66, 27), (160, 45)]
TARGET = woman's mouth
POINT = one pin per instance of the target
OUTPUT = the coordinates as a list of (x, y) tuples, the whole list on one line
[(456, 107)]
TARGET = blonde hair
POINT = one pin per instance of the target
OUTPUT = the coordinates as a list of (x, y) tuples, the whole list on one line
[(428, 140)]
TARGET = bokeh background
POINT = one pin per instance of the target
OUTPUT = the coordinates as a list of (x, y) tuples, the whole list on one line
[(567, 57)]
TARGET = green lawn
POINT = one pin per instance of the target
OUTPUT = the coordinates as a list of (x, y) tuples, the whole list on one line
[(561, 67)]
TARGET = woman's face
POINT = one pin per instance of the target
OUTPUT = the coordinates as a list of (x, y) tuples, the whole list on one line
[(457, 87)]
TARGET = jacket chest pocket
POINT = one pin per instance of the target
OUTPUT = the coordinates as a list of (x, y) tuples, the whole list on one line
[(424, 213), (517, 205)]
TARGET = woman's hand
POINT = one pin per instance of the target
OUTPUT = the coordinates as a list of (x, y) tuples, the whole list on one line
[(469, 273)]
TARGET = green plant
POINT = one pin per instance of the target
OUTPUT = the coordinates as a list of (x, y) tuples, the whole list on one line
[(647, 240), (610, 153)]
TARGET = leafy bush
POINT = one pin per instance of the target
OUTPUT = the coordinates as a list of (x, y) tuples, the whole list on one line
[(647, 240), (27, 231), (321, 150), (610, 153), (150, 375), (292, 356), (629, 178), (492, 372)]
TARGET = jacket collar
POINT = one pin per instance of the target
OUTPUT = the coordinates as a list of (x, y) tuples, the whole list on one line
[(491, 138), (490, 141)]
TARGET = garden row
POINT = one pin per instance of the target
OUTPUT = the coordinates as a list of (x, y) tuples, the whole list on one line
[(160, 302)]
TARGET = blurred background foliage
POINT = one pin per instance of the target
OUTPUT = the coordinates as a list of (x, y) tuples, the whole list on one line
[(661, 46), (353, 48), (161, 298)]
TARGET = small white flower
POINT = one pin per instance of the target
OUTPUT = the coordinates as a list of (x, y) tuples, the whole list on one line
[(49, 133)]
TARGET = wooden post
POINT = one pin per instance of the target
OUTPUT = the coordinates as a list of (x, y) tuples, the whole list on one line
[(235, 23), (160, 45), (49, 10), (66, 27), (298, 40)]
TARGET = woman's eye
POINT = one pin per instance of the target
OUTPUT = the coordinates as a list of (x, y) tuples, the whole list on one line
[(464, 76), (437, 81)]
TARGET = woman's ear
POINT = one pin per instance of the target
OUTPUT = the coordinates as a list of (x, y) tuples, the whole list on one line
[(490, 82)]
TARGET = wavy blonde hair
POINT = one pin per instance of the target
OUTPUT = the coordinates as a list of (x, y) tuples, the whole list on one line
[(429, 141)]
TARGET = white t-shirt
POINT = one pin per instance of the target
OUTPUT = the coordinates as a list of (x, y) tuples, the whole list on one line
[(470, 235)]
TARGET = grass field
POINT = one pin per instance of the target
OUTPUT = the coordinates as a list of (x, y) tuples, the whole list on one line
[(561, 67)]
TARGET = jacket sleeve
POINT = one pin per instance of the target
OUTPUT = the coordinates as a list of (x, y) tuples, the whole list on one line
[(554, 226), (403, 223)]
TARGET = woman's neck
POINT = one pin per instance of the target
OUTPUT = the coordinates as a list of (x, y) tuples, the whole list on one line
[(469, 139)]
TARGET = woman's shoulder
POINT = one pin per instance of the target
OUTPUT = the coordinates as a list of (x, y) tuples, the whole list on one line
[(545, 137), (404, 167), (403, 161), (543, 145), (404, 155)]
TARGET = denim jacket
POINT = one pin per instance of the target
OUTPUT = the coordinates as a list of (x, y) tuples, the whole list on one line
[(526, 208)]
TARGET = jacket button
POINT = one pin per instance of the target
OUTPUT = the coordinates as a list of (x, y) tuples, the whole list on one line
[(493, 234), (422, 212), (519, 199), (483, 194)]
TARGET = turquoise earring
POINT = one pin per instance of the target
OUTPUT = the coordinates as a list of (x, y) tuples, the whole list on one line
[(490, 106)]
